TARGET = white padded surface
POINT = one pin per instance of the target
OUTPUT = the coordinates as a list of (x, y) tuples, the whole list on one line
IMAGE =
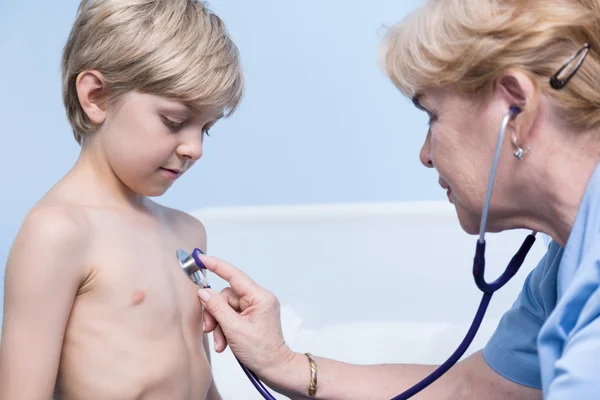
[(365, 283)]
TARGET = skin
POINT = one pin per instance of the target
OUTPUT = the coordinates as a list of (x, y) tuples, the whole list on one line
[(541, 192), (96, 305)]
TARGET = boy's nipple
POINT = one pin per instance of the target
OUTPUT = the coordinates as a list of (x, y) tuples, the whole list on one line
[(137, 297)]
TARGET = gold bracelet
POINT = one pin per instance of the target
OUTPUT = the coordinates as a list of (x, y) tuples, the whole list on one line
[(312, 389)]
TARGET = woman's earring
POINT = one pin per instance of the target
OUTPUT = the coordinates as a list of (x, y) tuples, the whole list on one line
[(519, 152)]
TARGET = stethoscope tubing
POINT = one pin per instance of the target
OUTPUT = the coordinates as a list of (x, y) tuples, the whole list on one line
[(488, 289)]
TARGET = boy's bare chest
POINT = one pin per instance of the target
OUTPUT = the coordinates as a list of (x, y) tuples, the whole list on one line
[(137, 319), (137, 279)]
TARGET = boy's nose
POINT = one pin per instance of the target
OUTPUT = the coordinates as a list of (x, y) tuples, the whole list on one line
[(191, 150)]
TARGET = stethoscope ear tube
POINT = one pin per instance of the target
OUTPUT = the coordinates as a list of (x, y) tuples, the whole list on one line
[(488, 289), (510, 271)]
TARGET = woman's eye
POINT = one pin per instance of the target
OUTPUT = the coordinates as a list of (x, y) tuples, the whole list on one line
[(172, 124), (432, 118)]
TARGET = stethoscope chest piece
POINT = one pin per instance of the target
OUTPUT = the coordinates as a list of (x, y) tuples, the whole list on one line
[(191, 269)]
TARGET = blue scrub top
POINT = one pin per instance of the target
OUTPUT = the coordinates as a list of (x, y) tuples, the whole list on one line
[(550, 338)]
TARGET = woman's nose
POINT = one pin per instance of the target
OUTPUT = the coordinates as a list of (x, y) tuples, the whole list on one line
[(425, 154)]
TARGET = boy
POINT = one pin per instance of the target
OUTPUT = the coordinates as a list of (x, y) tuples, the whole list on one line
[(96, 305)]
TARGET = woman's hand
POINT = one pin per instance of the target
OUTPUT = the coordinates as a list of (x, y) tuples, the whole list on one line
[(247, 318)]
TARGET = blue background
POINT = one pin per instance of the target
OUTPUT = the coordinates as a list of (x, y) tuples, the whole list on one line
[(320, 122)]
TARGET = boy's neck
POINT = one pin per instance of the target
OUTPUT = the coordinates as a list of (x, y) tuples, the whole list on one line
[(100, 181)]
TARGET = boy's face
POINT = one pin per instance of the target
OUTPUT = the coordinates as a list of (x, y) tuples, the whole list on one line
[(149, 141)]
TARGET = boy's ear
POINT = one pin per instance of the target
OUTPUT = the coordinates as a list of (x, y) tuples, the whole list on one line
[(92, 92)]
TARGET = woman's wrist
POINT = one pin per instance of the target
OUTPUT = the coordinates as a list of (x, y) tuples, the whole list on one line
[(291, 377)]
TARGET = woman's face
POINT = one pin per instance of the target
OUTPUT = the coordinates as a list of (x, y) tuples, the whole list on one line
[(460, 145)]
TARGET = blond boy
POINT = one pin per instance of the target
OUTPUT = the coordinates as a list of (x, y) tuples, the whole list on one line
[(96, 306)]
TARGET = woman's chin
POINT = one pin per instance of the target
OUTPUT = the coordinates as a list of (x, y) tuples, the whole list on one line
[(468, 221)]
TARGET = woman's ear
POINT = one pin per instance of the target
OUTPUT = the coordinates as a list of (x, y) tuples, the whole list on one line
[(92, 93), (517, 88)]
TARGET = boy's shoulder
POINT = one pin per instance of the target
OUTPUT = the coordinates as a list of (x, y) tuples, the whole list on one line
[(185, 224), (50, 236), (55, 222)]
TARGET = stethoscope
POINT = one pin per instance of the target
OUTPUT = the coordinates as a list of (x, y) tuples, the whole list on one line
[(194, 268)]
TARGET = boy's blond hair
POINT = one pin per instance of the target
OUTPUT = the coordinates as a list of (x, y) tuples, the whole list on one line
[(172, 48), (466, 44)]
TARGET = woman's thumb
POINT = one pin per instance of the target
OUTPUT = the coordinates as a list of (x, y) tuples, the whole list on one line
[(218, 307)]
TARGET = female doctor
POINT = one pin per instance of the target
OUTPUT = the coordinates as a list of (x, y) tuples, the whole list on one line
[(466, 63)]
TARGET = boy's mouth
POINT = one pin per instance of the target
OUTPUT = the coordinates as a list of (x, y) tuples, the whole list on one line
[(171, 173)]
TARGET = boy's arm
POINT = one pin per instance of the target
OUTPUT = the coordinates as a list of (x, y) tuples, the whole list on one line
[(43, 274), (213, 392)]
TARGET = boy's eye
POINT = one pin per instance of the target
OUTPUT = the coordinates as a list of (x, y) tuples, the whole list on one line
[(172, 124)]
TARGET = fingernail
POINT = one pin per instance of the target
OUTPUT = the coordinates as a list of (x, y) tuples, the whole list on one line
[(204, 295), (203, 327)]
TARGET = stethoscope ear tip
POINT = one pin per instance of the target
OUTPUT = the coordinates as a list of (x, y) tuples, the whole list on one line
[(514, 111)]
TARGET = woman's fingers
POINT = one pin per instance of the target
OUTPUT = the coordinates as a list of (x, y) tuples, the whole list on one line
[(232, 298), (219, 308), (220, 340), (239, 281), (209, 323), (247, 318)]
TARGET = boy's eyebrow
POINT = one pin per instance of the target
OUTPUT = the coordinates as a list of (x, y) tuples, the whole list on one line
[(199, 110), (178, 105)]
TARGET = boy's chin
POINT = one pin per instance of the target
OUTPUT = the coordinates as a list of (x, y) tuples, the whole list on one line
[(155, 191)]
